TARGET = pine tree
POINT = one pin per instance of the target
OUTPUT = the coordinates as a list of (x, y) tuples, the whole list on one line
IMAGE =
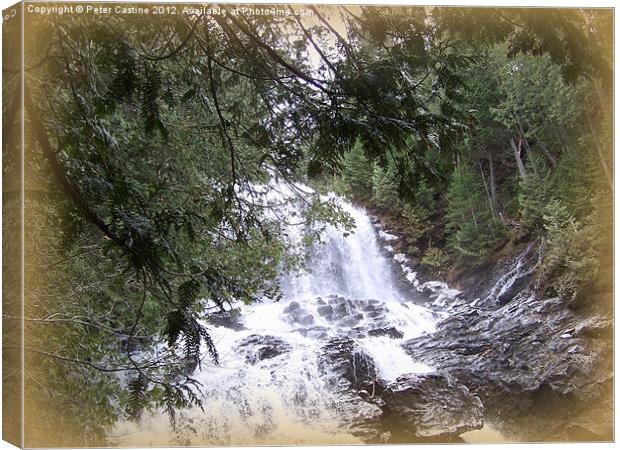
[(472, 230), (357, 173), (534, 192), (384, 188)]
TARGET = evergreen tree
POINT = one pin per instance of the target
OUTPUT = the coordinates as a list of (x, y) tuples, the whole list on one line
[(472, 230), (535, 192), (357, 173), (384, 188)]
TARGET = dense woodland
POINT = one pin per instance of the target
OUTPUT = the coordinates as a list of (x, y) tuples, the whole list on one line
[(470, 128)]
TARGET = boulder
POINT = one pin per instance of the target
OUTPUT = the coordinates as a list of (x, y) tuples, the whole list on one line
[(386, 331), (343, 358), (258, 348), (325, 310), (292, 306), (314, 332), (350, 371), (298, 315), (228, 319), (429, 407)]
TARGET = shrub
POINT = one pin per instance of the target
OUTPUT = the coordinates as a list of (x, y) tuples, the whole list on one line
[(571, 262), (435, 257), (415, 222)]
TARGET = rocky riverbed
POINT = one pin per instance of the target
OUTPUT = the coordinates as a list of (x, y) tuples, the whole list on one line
[(541, 370), (532, 367)]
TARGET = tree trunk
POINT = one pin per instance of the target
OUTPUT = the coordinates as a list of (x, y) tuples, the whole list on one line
[(548, 154), (487, 190), (524, 139), (492, 182), (517, 153)]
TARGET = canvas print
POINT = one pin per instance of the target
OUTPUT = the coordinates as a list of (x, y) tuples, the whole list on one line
[(272, 224)]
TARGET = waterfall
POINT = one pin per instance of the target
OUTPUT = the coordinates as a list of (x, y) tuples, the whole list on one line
[(270, 387), (347, 265)]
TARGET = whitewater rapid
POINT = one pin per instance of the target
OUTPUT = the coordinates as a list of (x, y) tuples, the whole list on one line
[(288, 399)]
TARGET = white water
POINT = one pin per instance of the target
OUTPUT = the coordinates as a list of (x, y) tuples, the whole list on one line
[(351, 266), (287, 399)]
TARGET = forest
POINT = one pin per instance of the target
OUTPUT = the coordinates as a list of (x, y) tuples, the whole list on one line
[(470, 131)]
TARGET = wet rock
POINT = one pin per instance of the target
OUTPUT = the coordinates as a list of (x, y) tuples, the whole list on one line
[(429, 407), (298, 315), (375, 314), (340, 311), (292, 306), (386, 331), (258, 348), (350, 370), (303, 318), (343, 358), (595, 327), (325, 310), (362, 419), (228, 319), (335, 299), (351, 320), (520, 358), (315, 332)]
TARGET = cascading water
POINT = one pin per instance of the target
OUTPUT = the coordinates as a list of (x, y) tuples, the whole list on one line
[(270, 387)]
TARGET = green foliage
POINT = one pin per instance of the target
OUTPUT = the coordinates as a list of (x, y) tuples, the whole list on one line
[(473, 231), (158, 147), (535, 192), (435, 257), (357, 173), (384, 188), (572, 181), (424, 198), (574, 40), (415, 224), (534, 94), (571, 262)]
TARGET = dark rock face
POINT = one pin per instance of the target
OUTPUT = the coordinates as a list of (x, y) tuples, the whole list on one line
[(345, 359), (346, 317), (258, 348), (533, 367), (414, 408), (429, 407), (357, 318), (496, 285), (523, 358), (386, 331), (350, 370), (325, 311)]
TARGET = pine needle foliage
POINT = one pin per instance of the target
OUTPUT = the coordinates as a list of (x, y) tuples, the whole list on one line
[(535, 191), (473, 231)]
